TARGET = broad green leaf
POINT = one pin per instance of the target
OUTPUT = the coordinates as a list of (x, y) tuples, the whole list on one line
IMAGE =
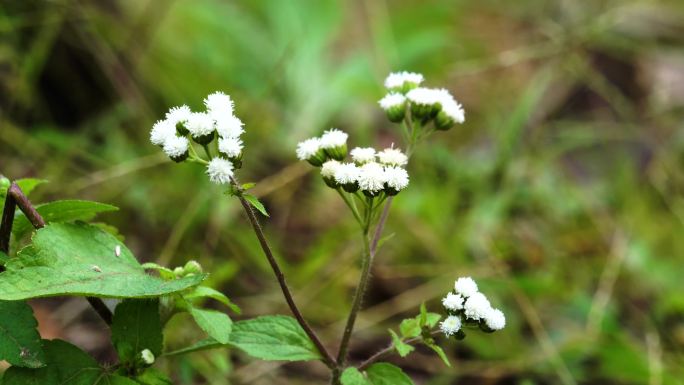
[(207, 292), (152, 376), (401, 347), (136, 326), (383, 373), (79, 259), (352, 376), (65, 364), (205, 344), (60, 211), (440, 352), (256, 203), (27, 185), (164, 272), (409, 328), (218, 325), (277, 338), (20, 343)]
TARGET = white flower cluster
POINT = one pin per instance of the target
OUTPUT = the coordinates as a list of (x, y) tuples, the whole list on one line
[(426, 104), (467, 305), (331, 145), (181, 125)]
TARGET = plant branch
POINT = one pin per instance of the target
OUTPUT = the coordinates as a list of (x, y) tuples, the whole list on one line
[(6, 224), (327, 357), (390, 349), (15, 193)]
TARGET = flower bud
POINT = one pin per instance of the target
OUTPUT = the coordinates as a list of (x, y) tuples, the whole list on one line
[(177, 148), (179, 272), (192, 267), (394, 105), (443, 121), (311, 151), (334, 143), (328, 170), (403, 81)]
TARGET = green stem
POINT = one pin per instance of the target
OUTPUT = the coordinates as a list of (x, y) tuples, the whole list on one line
[(350, 204), (206, 150)]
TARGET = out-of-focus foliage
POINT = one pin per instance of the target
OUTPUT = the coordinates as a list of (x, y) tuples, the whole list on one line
[(563, 192)]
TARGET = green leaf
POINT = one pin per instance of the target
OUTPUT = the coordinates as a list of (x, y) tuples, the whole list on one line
[(20, 343), (247, 186), (205, 344), (401, 347), (3, 258), (79, 259), (383, 373), (422, 320), (255, 202), (137, 326), (431, 319), (440, 352), (66, 364), (218, 325), (277, 338), (27, 185), (207, 292), (164, 272), (152, 376), (409, 328), (352, 376), (60, 211)]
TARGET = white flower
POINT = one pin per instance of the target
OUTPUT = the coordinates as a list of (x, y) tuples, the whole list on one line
[(452, 302), (179, 114), (392, 157), (147, 356), (425, 96), (477, 306), (346, 173), (200, 124), (308, 148), (176, 146), (495, 319), (161, 131), (396, 178), (450, 106), (220, 170), (371, 177), (232, 147), (397, 79), (219, 105), (329, 169), (363, 155), (392, 100), (465, 286), (451, 325), (333, 138), (229, 126)]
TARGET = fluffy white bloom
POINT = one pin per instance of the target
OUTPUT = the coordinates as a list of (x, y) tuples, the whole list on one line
[(329, 169), (425, 96), (333, 138), (179, 114), (397, 79), (219, 105), (176, 146), (396, 178), (232, 147), (465, 286), (308, 148), (161, 131), (477, 306), (454, 110), (451, 325), (229, 126), (392, 157), (363, 154), (392, 99), (220, 170), (346, 173), (495, 319), (147, 356), (452, 302), (371, 177), (200, 124)]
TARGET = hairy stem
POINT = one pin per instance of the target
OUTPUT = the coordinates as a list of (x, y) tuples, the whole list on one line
[(327, 357), (37, 221)]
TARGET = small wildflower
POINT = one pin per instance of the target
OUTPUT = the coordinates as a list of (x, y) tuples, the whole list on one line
[(219, 105), (477, 306), (362, 155), (394, 105), (334, 143), (392, 157), (450, 326), (178, 117), (452, 302), (403, 81), (371, 178), (220, 170), (229, 127), (161, 131), (396, 179), (147, 356), (328, 171), (176, 147), (347, 175), (230, 147), (465, 286), (451, 111), (311, 151), (201, 127), (425, 102), (495, 319)]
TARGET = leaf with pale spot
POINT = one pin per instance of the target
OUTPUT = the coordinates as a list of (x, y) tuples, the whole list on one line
[(20, 343)]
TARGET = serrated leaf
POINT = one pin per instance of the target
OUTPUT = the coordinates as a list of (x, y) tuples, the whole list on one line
[(152, 376), (27, 185), (400, 346), (276, 338), (216, 324), (352, 376), (409, 328), (20, 343), (205, 344), (60, 211), (136, 326), (383, 373), (207, 292), (431, 319), (79, 259), (440, 352), (255, 203), (65, 364)]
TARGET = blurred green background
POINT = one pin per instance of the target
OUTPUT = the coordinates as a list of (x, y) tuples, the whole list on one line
[(562, 194)]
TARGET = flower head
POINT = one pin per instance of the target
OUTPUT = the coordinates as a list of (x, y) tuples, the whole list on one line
[(334, 143), (230, 147), (311, 151), (392, 100), (220, 170), (403, 80), (495, 319), (424, 96), (371, 178), (396, 179), (219, 105), (450, 326), (452, 302), (346, 173), (179, 114), (161, 131), (465, 286), (392, 157), (477, 306), (176, 147), (200, 124), (329, 169), (363, 155), (229, 127), (451, 111)]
